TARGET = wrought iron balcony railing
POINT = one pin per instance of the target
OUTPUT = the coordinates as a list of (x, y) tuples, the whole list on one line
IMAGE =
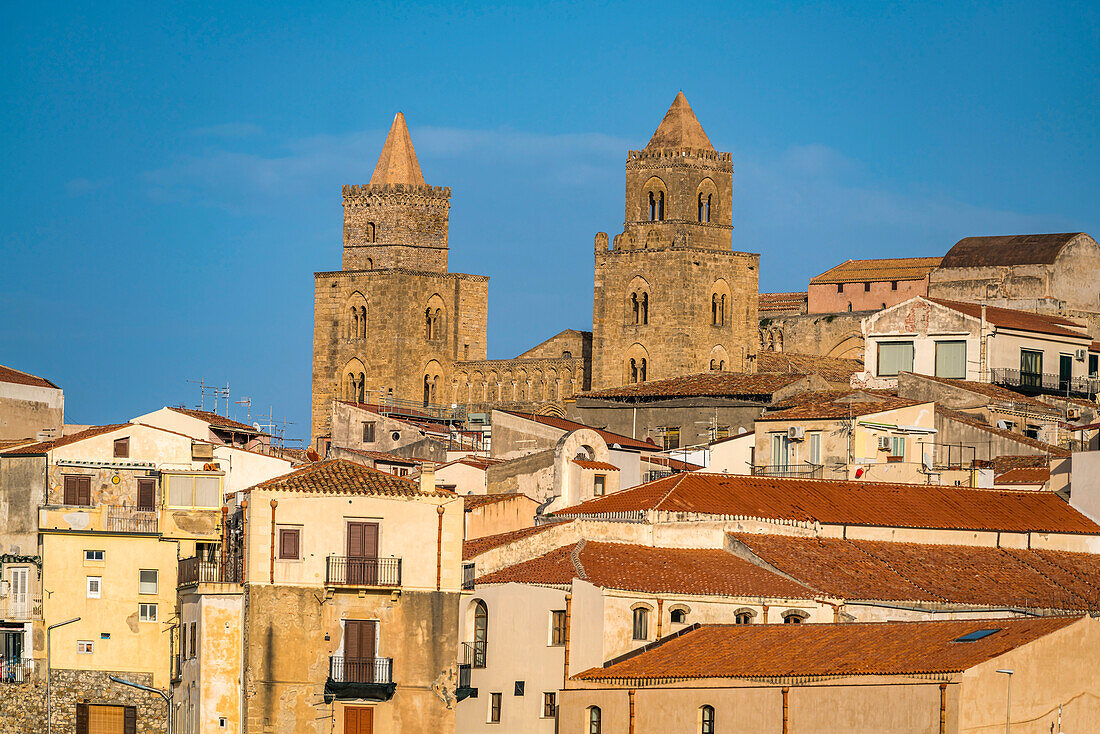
[(803, 471), (360, 670), (467, 576), (347, 571), (130, 520), (195, 570), (1036, 382), (473, 653)]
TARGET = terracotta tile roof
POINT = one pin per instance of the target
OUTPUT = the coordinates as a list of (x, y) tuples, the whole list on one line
[(832, 369), (679, 129), (781, 301), (975, 422), (1010, 318), (758, 386), (1094, 347), (384, 456), (603, 465), (704, 572), (1002, 464), (477, 546), (838, 502), (868, 648), (477, 501), (218, 421), (567, 425), (1023, 476), (891, 268), (338, 476), (1016, 249), (828, 404), (993, 392), (44, 446), (871, 570), (421, 421), (7, 374), (672, 463)]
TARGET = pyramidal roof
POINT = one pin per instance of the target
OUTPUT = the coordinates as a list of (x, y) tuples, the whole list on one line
[(679, 129), (398, 164)]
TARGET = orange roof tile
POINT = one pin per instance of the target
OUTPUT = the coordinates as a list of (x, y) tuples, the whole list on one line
[(758, 386), (891, 268), (993, 392), (781, 301), (838, 502), (17, 377), (568, 425), (44, 446), (218, 421), (868, 648), (384, 456), (584, 464), (477, 462), (1016, 249), (832, 369), (915, 572), (477, 501), (829, 404), (1023, 475), (703, 572), (339, 476), (477, 546), (1010, 318)]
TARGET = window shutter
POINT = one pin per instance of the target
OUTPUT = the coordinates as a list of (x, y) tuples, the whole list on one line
[(82, 718), (288, 543), (129, 720), (84, 493), (194, 637), (70, 491)]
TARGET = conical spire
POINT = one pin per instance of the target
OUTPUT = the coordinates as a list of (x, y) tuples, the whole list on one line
[(398, 164), (679, 129)]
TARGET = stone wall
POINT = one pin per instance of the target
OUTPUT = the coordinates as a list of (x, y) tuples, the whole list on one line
[(493, 382), (830, 335), (22, 491), (396, 226), (23, 710), (395, 352), (27, 409)]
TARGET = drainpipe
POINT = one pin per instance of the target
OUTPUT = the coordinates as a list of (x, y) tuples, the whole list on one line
[(660, 614), (943, 708), (568, 616), (983, 356), (439, 549), (764, 617), (225, 521), (786, 716), (244, 537), (274, 504), (630, 693)]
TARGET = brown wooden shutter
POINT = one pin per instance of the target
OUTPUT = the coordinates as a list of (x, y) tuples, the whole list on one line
[(288, 543), (82, 718), (129, 720), (84, 491), (122, 448), (355, 540), (194, 638), (147, 493), (70, 490)]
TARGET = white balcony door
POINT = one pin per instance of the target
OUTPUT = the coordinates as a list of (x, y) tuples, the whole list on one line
[(18, 603)]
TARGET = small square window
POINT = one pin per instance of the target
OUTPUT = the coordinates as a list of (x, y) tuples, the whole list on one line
[(94, 586), (866, 287), (600, 485), (549, 705), (122, 448), (368, 432), (289, 539), (93, 555), (147, 581), (84, 647), (557, 627), (147, 612)]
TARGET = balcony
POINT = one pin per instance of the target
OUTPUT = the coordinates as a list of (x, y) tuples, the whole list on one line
[(465, 687), (467, 576), (21, 607), (194, 570), (370, 679), (800, 471), (130, 520), (16, 670), (378, 572), (473, 653), (1045, 383)]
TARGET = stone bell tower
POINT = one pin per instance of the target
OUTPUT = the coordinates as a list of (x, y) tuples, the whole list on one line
[(671, 297)]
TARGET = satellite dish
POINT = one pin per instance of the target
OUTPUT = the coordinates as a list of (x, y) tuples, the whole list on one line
[(1003, 425), (257, 427), (927, 461)]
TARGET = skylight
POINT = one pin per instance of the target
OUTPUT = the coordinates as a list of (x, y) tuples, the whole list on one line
[(975, 635)]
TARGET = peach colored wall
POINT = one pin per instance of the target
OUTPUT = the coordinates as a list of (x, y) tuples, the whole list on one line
[(823, 297), (501, 517)]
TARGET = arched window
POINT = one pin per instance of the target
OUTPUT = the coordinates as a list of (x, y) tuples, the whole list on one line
[(706, 720), (700, 207), (635, 308), (794, 616), (679, 616), (428, 324), (713, 365), (355, 387), (707, 212), (370, 231), (722, 310), (661, 206), (595, 723), (362, 322), (566, 354), (744, 616), (652, 207), (641, 370), (633, 370), (481, 633), (721, 365), (641, 623), (645, 308), (713, 307), (849, 305), (370, 264)]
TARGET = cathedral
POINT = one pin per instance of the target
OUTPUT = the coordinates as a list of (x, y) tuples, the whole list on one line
[(670, 295)]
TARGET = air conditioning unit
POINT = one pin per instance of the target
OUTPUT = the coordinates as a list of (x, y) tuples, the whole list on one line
[(1080, 355), (202, 451), (883, 443), (796, 433), (1073, 413)]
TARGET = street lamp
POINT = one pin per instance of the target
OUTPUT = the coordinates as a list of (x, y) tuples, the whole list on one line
[(49, 672), (149, 689), (1008, 701)]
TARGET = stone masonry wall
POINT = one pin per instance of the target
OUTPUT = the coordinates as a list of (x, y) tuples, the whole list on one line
[(396, 226), (23, 705)]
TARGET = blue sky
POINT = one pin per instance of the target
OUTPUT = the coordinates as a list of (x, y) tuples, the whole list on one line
[(171, 173)]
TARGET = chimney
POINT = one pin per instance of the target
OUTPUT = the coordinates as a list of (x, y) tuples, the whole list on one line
[(427, 477)]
